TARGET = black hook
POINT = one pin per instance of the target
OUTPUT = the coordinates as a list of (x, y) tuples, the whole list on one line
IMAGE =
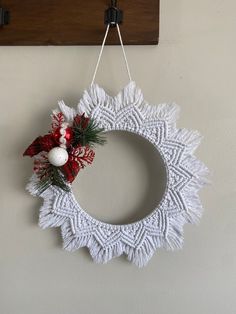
[(114, 3), (4, 17), (113, 15)]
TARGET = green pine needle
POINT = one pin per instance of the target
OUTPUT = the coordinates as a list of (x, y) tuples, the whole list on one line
[(53, 177), (90, 136), (58, 179)]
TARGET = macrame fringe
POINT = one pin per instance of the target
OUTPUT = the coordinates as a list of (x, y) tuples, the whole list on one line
[(68, 112), (139, 256), (170, 235), (96, 97), (31, 187)]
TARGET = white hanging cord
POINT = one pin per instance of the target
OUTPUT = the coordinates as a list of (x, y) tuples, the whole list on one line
[(123, 49), (101, 51)]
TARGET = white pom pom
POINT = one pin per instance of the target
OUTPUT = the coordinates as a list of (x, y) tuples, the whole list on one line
[(58, 156)]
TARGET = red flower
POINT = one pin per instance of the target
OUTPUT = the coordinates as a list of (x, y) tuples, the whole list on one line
[(47, 142), (40, 144)]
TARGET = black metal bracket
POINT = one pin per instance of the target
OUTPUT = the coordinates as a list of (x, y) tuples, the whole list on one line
[(113, 15), (4, 17)]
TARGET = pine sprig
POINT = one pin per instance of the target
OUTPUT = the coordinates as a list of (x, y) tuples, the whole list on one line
[(58, 179), (87, 132), (52, 176)]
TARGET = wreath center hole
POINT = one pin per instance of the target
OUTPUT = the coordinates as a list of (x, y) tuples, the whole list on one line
[(126, 181)]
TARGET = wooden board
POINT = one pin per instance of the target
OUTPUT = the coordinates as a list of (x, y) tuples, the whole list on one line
[(77, 22)]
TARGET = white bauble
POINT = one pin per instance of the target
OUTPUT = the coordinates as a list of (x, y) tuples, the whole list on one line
[(58, 156)]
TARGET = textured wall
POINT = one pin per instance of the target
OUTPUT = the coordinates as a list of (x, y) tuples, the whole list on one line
[(194, 65)]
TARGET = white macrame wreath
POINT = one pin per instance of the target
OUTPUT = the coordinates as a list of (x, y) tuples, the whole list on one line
[(128, 111)]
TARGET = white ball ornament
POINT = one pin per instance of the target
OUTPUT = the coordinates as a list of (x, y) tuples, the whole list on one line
[(58, 156)]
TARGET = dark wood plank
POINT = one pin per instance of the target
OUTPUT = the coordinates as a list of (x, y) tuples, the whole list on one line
[(77, 22)]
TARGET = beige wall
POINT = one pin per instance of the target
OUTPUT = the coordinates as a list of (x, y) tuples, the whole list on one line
[(194, 65)]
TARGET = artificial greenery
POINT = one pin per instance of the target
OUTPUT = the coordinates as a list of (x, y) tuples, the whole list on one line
[(52, 176), (86, 132)]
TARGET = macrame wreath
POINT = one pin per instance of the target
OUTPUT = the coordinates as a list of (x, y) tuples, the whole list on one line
[(61, 154)]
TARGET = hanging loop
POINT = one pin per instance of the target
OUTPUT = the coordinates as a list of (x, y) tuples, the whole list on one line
[(113, 17), (101, 51)]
